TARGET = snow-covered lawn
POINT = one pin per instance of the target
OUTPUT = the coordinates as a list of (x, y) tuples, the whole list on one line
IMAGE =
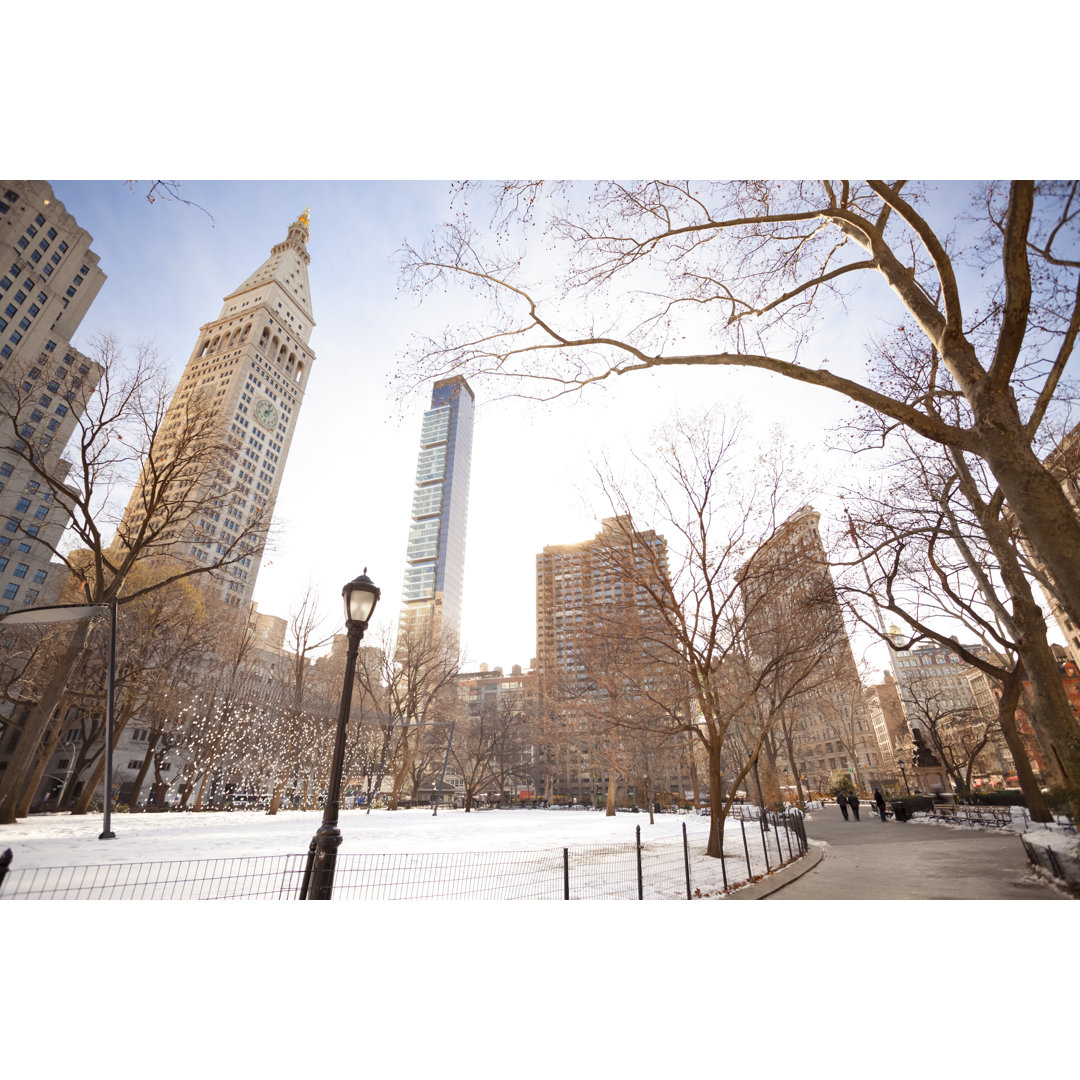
[(64, 841)]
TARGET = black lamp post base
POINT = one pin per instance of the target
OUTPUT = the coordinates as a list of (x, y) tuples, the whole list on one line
[(107, 836), (322, 859)]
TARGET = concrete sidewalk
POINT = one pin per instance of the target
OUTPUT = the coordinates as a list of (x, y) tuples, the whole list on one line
[(874, 860)]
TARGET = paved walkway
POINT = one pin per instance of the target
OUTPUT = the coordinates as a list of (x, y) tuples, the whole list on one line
[(874, 860)]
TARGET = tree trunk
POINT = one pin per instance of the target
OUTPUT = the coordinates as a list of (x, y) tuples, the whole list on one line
[(14, 778), (83, 801), (202, 786), (79, 767), (144, 768), (1046, 516), (716, 801), (1025, 483), (22, 809), (189, 786), (609, 810), (1010, 697)]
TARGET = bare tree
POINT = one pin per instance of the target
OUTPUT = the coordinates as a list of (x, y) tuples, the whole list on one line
[(177, 474), (747, 630), (410, 680), (937, 546), (745, 272)]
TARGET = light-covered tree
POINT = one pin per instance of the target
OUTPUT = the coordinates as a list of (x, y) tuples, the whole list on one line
[(119, 442)]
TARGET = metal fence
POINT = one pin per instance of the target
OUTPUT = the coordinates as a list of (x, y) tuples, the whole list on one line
[(1063, 867), (653, 869)]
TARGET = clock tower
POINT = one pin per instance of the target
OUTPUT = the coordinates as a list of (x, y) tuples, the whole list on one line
[(250, 365)]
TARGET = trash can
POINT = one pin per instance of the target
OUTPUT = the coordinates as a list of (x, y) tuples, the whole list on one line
[(900, 811)]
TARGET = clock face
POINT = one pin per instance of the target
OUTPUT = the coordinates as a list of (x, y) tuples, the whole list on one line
[(265, 413)]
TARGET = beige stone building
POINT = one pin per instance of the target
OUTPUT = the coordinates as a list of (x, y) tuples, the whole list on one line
[(583, 669), (48, 279), (832, 728), (251, 365)]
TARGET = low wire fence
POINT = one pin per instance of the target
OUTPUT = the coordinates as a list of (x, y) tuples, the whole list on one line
[(651, 869), (1061, 865)]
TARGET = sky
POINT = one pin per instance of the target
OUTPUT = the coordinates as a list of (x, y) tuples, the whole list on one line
[(346, 491)]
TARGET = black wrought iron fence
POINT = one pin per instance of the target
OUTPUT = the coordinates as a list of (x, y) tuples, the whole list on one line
[(1063, 867), (650, 869)]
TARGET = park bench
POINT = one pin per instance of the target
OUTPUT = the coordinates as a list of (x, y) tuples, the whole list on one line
[(997, 816)]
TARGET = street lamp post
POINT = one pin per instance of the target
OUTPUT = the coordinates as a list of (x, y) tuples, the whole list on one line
[(360, 595), (900, 762)]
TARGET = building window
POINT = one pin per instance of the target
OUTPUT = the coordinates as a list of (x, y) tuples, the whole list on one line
[(39, 576), (10, 591), (30, 597)]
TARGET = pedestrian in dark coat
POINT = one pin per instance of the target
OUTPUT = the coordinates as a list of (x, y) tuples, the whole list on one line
[(880, 800), (843, 804), (853, 802)]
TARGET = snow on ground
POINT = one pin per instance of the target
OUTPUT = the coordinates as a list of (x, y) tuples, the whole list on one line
[(1053, 834), (63, 840), (1061, 840)]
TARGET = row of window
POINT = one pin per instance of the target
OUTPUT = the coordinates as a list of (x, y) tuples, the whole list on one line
[(21, 570), (11, 590)]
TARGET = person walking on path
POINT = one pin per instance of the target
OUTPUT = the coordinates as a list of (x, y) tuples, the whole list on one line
[(880, 800), (853, 802), (843, 804)]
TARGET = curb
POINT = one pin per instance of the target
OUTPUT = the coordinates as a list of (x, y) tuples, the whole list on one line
[(785, 876)]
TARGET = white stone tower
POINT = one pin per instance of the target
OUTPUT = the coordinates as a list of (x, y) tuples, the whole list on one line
[(252, 362)]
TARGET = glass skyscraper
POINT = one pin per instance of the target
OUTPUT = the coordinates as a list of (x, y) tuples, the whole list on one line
[(434, 576)]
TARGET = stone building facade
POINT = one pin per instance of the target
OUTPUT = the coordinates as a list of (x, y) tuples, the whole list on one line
[(48, 279)]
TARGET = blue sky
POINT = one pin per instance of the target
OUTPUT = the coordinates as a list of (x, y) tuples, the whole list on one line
[(345, 496)]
